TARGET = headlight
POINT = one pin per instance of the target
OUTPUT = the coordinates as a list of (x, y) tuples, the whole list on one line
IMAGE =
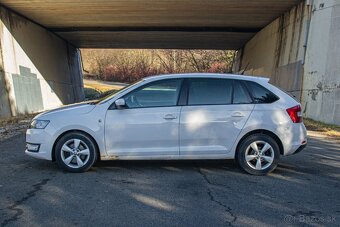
[(39, 124)]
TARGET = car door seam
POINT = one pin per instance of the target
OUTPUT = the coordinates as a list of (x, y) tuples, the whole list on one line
[(237, 138), (179, 131)]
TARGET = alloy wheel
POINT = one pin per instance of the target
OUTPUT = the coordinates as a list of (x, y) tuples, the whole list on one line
[(259, 155), (75, 153)]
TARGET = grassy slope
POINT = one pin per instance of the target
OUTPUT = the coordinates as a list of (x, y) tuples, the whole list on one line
[(326, 129), (96, 89)]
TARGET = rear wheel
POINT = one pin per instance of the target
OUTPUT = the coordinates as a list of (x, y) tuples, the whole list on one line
[(75, 152), (258, 154)]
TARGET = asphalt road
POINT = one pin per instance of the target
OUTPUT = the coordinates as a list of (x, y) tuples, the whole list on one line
[(303, 190)]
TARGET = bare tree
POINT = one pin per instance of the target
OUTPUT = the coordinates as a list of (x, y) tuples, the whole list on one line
[(131, 65)]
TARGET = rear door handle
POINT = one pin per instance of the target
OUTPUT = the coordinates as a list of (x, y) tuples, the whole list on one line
[(169, 117), (237, 114)]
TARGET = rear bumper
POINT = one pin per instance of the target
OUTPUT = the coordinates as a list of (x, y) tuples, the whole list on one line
[(293, 137), (300, 148)]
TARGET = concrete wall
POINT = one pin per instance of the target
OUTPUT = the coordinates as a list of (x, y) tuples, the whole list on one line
[(277, 51), (321, 86), (39, 70), (300, 52)]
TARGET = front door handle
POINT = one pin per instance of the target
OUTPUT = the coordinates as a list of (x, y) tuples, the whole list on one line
[(169, 117), (237, 114)]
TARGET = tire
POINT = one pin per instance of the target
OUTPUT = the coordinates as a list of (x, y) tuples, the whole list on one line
[(75, 152), (253, 160)]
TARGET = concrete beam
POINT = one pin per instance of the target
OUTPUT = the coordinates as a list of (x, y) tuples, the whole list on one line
[(157, 39)]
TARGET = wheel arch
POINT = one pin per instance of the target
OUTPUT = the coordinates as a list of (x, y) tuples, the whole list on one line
[(261, 131), (75, 130)]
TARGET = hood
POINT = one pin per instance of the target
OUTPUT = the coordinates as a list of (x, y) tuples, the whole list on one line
[(77, 108)]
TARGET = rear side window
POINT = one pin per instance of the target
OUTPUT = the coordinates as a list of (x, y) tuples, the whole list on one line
[(261, 94), (241, 95), (210, 91)]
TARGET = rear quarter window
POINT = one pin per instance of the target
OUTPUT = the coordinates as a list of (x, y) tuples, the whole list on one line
[(260, 94), (241, 95)]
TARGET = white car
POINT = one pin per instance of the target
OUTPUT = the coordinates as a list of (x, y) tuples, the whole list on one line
[(181, 116)]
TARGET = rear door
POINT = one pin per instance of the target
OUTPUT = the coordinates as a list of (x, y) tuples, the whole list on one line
[(216, 112)]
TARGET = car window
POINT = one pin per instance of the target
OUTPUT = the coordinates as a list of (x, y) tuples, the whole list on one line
[(261, 94), (156, 94), (210, 91), (240, 95), (114, 93)]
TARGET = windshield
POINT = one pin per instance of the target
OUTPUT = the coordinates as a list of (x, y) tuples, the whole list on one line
[(109, 96)]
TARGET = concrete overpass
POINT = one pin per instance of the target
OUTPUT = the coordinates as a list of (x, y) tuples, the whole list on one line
[(40, 41), (203, 24)]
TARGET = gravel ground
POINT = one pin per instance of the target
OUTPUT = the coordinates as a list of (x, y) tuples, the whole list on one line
[(10, 129)]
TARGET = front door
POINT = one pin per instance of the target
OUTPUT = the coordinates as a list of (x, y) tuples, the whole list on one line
[(149, 125)]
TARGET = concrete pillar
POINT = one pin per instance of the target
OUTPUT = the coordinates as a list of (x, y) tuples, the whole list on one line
[(38, 70), (321, 84), (277, 51), (5, 106), (300, 53)]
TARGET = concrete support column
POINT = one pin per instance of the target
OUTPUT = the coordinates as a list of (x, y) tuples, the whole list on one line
[(277, 51), (5, 106), (321, 84), (38, 70), (300, 53)]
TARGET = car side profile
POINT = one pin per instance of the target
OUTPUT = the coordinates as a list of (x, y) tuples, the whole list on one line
[(180, 116)]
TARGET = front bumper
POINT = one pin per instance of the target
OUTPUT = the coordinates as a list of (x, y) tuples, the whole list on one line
[(42, 137)]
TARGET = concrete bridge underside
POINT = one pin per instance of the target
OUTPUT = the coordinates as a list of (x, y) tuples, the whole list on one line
[(202, 24)]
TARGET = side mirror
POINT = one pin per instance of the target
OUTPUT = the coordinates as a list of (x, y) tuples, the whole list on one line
[(120, 103)]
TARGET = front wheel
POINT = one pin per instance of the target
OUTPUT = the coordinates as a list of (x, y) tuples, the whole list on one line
[(75, 152), (258, 154)]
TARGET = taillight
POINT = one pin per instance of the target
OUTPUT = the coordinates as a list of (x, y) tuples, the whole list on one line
[(295, 114)]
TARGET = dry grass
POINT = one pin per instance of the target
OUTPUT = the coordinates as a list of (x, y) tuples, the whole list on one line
[(323, 128), (99, 87), (16, 119), (14, 126)]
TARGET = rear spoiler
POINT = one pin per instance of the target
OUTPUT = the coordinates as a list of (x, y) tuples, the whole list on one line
[(265, 79)]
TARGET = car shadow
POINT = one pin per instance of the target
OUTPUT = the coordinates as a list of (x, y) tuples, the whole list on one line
[(229, 165)]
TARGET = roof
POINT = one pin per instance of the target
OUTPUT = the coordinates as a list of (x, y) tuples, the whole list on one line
[(207, 75)]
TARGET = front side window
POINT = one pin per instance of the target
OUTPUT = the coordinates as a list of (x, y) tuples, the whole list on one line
[(156, 94), (261, 94), (114, 93), (210, 91)]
